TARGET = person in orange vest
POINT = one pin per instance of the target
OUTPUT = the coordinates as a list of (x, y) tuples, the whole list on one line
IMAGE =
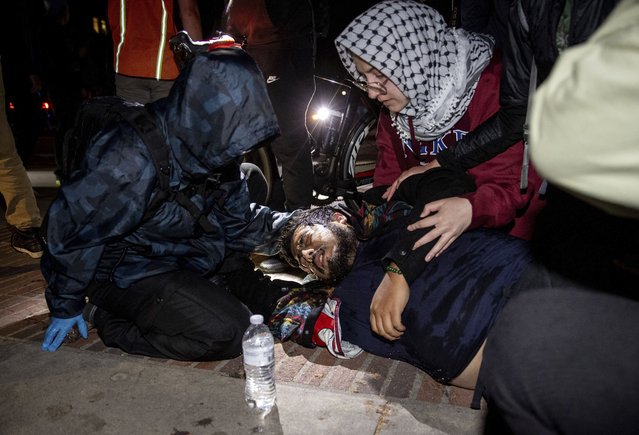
[(142, 58)]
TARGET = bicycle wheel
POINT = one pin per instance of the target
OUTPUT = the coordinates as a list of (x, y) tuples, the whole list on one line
[(357, 159), (265, 160)]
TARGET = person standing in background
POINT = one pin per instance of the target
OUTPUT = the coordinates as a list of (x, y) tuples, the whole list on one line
[(142, 58), (22, 212), (280, 36)]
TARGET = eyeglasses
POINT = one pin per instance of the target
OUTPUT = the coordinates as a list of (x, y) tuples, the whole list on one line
[(374, 86)]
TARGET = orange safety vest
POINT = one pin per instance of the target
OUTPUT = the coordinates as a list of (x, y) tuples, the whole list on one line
[(141, 30)]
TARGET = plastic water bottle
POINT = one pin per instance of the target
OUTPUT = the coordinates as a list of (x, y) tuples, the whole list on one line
[(259, 365)]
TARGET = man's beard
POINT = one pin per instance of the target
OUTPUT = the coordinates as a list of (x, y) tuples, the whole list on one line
[(343, 257)]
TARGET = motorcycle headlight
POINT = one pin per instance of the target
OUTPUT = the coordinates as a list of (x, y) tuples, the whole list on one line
[(321, 114)]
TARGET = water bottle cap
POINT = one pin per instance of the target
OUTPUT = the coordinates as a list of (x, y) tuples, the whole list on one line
[(257, 319)]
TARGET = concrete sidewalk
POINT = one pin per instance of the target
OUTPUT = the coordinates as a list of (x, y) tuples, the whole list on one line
[(77, 392)]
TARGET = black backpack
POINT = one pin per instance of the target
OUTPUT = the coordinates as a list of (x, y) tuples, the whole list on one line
[(100, 113), (93, 116)]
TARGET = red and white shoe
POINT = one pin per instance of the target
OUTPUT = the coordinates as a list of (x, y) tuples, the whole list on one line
[(328, 332)]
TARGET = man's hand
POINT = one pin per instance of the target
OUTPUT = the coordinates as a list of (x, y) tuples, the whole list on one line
[(450, 217), (58, 330), (387, 306)]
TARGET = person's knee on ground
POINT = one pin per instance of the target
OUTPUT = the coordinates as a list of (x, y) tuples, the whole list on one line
[(183, 317), (214, 321)]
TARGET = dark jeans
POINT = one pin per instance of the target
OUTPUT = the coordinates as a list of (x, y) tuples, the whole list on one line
[(563, 360), (177, 315), (288, 66)]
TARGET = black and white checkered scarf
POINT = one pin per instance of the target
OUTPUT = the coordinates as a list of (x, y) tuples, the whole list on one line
[(435, 66)]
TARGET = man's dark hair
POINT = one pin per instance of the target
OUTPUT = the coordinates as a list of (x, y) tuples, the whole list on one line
[(314, 216)]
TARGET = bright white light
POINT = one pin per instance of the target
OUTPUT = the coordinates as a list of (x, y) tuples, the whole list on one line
[(322, 114)]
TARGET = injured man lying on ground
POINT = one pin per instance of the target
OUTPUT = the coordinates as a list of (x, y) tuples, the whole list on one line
[(370, 291)]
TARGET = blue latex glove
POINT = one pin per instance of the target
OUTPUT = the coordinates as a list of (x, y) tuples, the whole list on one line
[(58, 329)]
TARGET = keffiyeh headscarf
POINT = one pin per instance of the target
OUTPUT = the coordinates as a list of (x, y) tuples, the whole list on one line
[(435, 66)]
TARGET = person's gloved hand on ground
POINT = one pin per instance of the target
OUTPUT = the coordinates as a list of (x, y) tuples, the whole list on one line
[(58, 330)]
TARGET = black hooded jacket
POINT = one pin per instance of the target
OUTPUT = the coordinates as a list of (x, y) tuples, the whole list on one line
[(531, 33), (217, 110)]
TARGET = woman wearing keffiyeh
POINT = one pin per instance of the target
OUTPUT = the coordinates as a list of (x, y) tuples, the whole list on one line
[(436, 84)]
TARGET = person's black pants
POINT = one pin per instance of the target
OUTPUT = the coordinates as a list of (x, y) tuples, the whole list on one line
[(177, 315), (563, 360), (288, 68)]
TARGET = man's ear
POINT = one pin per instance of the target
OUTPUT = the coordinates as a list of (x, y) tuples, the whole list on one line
[(339, 218)]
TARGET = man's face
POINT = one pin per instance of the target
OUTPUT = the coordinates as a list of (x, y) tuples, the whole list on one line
[(327, 251)]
